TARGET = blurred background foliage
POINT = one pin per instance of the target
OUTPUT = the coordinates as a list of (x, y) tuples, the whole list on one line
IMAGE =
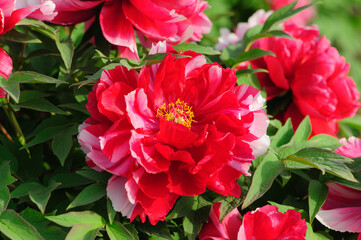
[(339, 20)]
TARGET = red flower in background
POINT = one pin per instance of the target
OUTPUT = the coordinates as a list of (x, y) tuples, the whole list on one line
[(342, 209), (11, 12), (315, 75), (172, 21), (265, 223), (5, 68), (174, 129), (302, 18)]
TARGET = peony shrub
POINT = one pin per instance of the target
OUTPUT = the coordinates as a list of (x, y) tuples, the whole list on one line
[(126, 120)]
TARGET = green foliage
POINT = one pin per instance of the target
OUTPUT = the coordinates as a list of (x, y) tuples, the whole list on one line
[(46, 190)]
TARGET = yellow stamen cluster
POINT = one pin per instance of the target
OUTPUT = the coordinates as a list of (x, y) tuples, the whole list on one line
[(178, 112)]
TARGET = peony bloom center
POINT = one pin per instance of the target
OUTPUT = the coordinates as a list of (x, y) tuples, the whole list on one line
[(178, 112)]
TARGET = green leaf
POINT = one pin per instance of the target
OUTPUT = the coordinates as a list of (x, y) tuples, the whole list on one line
[(16, 228), (66, 49), (42, 195), (253, 53), (111, 212), (5, 174), (39, 221), (69, 180), (243, 72), (33, 77), (282, 14), (322, 159), (119, 231), (78, 218), (12, 88), (24, 189), (263, 178), (191, 230), (45, 135), (96, 75), (354, 122), (76, 106), (303, 131), (88, 195), (196, 48), (82, 232), (283, 209), (323, 141), (62, 143), (283, 135), (94, 175), (4, 197), (52, 121), (232, 52), (5, 180), (317, 196), (41, 105), (31, 94)]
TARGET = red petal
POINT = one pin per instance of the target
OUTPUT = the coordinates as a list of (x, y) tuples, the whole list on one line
[(117, 29)]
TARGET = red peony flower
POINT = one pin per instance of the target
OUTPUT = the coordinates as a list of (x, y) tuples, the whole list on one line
[(302, 18), (265, 223), (11, 12), (313, 74), (172, 21), (342, 209), (5, 68), (174, 129)]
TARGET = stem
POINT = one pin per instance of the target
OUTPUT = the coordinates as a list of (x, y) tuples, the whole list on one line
[(14, 122), (6, 133)]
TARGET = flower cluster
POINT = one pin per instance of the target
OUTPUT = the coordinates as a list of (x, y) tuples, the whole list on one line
[(265, 223), (171, 21)]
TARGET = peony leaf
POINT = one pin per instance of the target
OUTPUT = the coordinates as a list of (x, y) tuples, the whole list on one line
[(317, 194), (303, 132), (41, 105), (41, 195), (94, 175), (39, 221), (252, 54), (111, 212), (62, 143), (283, 14), (196, 48), (33, 77), (88, 195), (322, 159), (5, 180), (263, 178), (71, 219), (45, 135), (12, 88), (4, 197), (322, 141), (66, 49), (283, 135), (84, 232), (16, 228), (117, 231)]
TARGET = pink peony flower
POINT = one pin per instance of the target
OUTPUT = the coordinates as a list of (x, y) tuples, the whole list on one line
[(313, 74), (265, 223), (172, 21), (302, 18), (12, 11), (342, 209), (5, 68), (227, 37), (174, 129)]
